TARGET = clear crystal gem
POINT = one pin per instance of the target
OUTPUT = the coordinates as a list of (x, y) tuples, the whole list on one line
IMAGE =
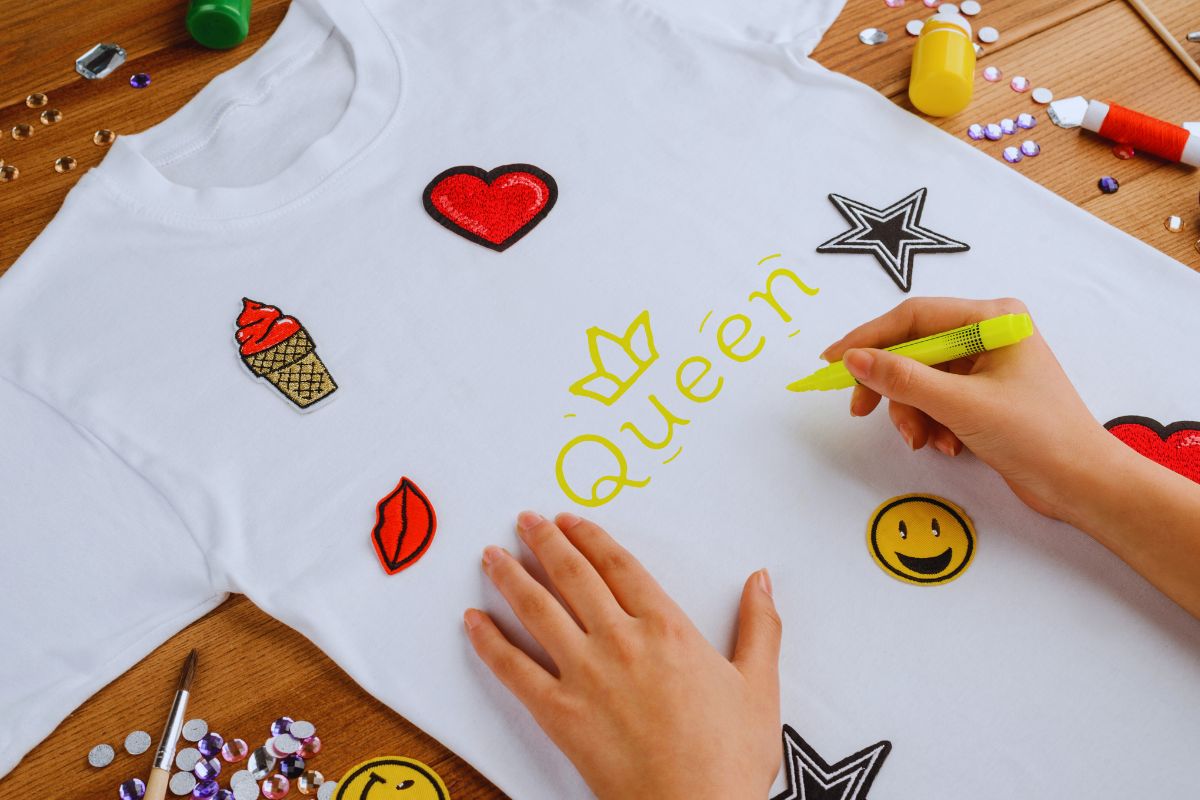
[(101, 61)]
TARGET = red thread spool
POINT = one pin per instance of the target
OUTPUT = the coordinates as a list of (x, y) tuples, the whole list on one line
[(1145, 133)]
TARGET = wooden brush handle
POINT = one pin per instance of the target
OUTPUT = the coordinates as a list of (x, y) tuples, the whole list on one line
[(156, 787)]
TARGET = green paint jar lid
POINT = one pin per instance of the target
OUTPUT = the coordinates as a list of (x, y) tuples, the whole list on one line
[(219, 24)]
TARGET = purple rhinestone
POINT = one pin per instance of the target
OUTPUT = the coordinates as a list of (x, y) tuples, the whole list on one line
[(291, 766), (207, 768), (1008, 126), (1012, 155), (975, 132), (1030, 148), (993, 132), (140, 80), (1108, 184), (1026, 121), (132, 789), (224, 794), (210, 745), (281, 725), (205, 789)]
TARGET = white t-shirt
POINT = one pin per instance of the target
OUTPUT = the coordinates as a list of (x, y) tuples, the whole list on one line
[(282, 244)]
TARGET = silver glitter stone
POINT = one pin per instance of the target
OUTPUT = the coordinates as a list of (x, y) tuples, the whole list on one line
[(260, 763), (137, 743), (302, 729), (1042, 95), (914, 27), (1012, 155), (195, 729), (970, 7), (326, 791), (988, 34), (101, 755), (245, 791), (182, 783), (1068, 112), (285, 743), (872, 36), (242, 776), (101, 61), (186, 759)]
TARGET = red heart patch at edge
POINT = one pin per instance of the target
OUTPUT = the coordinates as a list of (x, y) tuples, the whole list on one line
[(1175, 446), (492, 208)]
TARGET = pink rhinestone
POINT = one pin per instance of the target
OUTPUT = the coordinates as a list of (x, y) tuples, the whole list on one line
[(1020, 84), (235, 750), (931, 3), (893, 3), (992, 74), (1124, 151), (310, 747), (275, 787)]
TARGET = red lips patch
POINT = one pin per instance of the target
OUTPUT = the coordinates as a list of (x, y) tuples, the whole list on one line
[(494, 209), (1175, 446)]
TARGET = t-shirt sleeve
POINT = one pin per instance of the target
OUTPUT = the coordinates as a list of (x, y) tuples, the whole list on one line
[(800, 22), (96, 569)]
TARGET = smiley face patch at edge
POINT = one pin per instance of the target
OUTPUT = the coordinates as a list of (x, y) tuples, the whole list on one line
[(921, 539), (391, 778)]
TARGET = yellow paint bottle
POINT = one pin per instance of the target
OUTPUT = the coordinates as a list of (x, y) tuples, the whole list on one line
[(943, 66)]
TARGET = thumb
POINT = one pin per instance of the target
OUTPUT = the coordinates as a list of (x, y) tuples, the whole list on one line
[(756, 654), (907, 381)]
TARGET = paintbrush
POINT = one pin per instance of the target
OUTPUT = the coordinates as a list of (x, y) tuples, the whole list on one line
[(156, 786)]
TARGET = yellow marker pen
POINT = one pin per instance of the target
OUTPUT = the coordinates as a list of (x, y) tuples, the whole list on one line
[(969, 340)]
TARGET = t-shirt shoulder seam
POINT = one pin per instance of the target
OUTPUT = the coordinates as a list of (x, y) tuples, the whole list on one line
[(714, 33)]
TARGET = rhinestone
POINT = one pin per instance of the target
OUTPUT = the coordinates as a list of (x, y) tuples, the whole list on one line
[(992, 74), (137, 743), (1019, 84), (1174, 224), (65, 164), (1198, 245), (210, 744), (872, 36), (988, 34), (291, 766), (310, 781), (1194, 36), (101, 61), (327, 790), (132, 789), (275, 787), (36, 100), (310, 747), (1031, 148), (22, 131), (186, 759), (281, 725), (993, 132), (1108, 184), (285, 744), (102, 754), (1012, 155), (978, 50), (224, 794), (103, 137), (914, 27), (8, 173), (1124, 151), (261, 763), (1008, 126), (182, 783), (948, 8), (302, 729), (970, 7), (207, 768), (51, 116), (931, 3), (1067, 113), (194, 729), (235, 750), (1042, 95), (139, 80), (975, 132), (1026, 121), (893, 3), (205, 789)]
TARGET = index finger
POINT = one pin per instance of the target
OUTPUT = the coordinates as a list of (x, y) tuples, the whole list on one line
[(917, 317)]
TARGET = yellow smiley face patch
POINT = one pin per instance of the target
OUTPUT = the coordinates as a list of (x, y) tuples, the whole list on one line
[(921, 539), (391, 778)]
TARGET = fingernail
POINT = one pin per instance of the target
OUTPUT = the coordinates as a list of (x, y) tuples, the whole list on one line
[(491, 554), (527, 519), (859, 363), (568, 520), (956, 447), (764, 582), (471, 619), (944, 447), (907, 433)]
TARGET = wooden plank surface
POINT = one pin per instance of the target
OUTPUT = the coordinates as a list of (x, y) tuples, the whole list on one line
[(253, 668)]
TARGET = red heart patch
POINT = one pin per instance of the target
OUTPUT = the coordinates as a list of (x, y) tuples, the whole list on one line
[(1176, 446), (494, 208)]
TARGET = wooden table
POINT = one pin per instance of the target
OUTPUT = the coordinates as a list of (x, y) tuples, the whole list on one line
[(253, 669)]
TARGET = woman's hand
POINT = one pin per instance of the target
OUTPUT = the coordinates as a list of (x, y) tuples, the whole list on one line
[(642, 704)]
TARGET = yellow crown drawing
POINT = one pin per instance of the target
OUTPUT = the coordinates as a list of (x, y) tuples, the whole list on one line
[(619, 361)]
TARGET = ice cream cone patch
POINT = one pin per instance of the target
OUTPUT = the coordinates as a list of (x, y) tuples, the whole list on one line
[(278, 349)]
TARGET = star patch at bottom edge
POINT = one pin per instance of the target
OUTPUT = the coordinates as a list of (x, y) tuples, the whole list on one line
[(810, 777)]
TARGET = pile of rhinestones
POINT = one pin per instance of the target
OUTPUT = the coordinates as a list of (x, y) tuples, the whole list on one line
[(269, 771)]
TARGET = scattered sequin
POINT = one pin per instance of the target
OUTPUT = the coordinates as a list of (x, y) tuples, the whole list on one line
[(988, 34), (281, 725), (970, 7), (210, 744), (195, 729), (139, 80), (64, 164), (993, 132), (949, 8), (872, 36), (242, 782), (327, 790), (36, 100), (1026, 121), (186, 759), (102, 754), (275, 787), (1124, 151), (1031, 148), (1174, 224), (132, 789), (235, 750), (893, 3), (291, 766), (245, 791), (914, 27), (285, 744), (302, 729), (207, 768), (8, 173), (205, 789), (992, 74), (310, 747), (261, 763), (1012, 155), (1019, 84), (1042, 95), (103, 137), (224, 794), (182, 783), (101, 61), (975, 131), (51, 116), (310, 781), (1008, 126), (22, 131), (137, 743), (1108, 184)]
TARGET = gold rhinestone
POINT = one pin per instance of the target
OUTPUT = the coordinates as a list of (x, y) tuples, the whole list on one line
[(9, 172), (103, 137), (64, 164), (36, 100), (1174, 224), (22, 131), (51, 116)]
